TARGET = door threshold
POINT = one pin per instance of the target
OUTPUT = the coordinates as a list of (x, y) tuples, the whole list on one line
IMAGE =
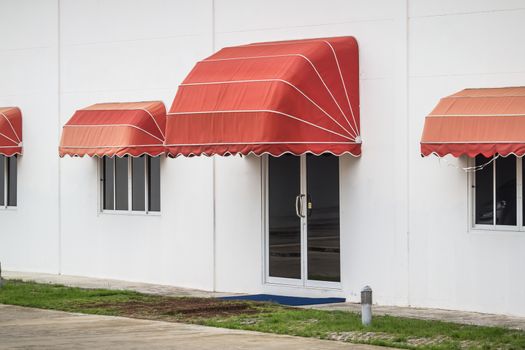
[(302, 291), (296, 286)]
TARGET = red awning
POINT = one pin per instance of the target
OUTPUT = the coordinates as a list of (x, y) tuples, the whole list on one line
[(298, 96), (10, 131), (477, 121), (115, 129)]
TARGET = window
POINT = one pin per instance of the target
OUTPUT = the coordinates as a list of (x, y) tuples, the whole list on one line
[(498, 202), (130, 184), (8, 181)]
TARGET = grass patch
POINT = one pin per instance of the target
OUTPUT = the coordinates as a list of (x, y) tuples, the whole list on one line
[(264, 317)]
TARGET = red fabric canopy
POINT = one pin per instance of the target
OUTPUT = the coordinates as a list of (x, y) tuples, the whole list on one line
[(10, 131), (115, 129), (477, 121), (298, 96)]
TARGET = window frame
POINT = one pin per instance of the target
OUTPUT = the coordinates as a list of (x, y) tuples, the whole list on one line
[(5, 184), (129, 211), (519, 227)]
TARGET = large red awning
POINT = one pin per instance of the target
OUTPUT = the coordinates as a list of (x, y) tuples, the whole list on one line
[(115, 129), (477, 121), (298, 96), (10, 131)]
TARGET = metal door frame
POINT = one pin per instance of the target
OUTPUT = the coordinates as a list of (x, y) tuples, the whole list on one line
[(303, 281)]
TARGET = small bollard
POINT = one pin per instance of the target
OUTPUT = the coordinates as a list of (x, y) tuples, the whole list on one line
[(1, 280), (366, 306)]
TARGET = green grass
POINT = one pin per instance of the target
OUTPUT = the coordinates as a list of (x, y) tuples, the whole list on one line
[(388, 330), (385, 330), (58, 297)]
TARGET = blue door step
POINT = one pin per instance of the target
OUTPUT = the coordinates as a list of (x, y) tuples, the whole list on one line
[(285, 300)]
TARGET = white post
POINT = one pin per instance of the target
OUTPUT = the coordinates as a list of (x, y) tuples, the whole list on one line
[(366, 306)]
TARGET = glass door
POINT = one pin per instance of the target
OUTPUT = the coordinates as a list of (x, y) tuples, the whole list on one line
[(284, 228), (323, 227), (303, 242)]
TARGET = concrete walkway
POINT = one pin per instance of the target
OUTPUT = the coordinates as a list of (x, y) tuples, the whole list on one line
[(27, 328), (474, 318), (92, 283)]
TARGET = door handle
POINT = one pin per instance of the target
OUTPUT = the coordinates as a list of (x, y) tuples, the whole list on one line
[(299, 205)]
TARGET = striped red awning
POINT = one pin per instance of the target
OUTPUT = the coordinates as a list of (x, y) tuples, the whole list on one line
[(115, 129), (477, 121), (297, 97), (10, 131)]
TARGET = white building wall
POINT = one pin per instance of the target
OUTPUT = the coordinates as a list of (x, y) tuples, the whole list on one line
[(404, 227), (453, 46), (29, 79), (133, 51)]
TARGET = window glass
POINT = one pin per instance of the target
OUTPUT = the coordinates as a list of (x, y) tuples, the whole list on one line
[(484, 192), (523, 190), (121, 183), (11, 181), (506, 190), (108, 183), (154, 183), (2, 180), (138, 183), (118, 188), (323, 235), (284, 185)]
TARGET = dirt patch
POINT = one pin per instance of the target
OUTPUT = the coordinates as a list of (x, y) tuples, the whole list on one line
[(180, 308)]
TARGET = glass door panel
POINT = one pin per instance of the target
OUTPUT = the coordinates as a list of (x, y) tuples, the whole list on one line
[(323, 228), (284, 246)]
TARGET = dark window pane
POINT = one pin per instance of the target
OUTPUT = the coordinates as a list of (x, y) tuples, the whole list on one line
[(154, 183), (11, 181), (121, 183), (484, 192), (284, 224), (2, 180), (322, 176), (506, 190), (108, 182), (138, 183), (523, 188)]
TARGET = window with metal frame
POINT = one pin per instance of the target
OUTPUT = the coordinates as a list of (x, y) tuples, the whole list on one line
[(497, 193), (8, 181), (130, 184)]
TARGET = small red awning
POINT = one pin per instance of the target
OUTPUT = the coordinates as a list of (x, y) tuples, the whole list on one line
[(477, 121), (298, 96), (10, 131), (115, 129)]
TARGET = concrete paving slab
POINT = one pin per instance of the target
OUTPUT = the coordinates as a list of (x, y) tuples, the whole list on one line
[(27, 328)]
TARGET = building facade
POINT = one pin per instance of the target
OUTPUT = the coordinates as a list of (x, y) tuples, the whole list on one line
[(406, 225)]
